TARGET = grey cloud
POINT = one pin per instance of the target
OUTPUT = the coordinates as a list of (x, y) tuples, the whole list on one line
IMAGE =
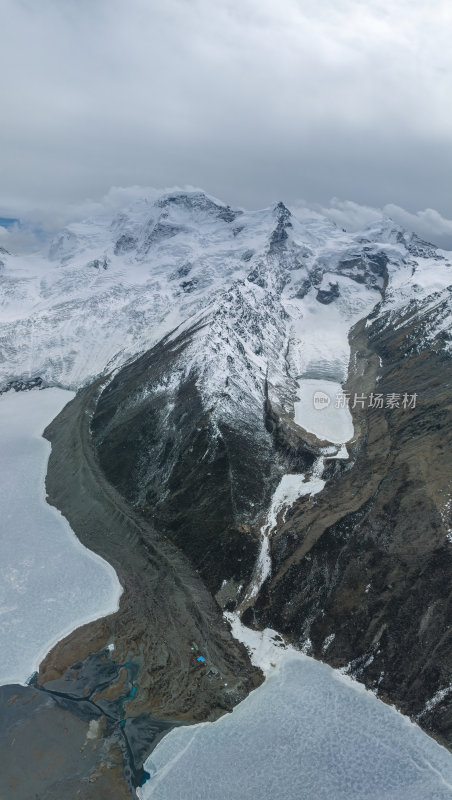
[(350, 215), (39, 225), (252, 101), (429, 223)]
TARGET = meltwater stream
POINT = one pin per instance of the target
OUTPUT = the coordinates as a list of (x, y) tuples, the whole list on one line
[(289, 489), (330, 423), (49, 582)]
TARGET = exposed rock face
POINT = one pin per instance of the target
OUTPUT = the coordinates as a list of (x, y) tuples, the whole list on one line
[(327, 296), (362, 577), (182, 435)]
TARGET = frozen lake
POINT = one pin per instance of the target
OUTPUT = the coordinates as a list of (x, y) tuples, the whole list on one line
[(321, 411), (308, 732), (49, 583)]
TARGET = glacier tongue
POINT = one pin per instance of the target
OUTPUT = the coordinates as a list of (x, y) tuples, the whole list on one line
[(332, 422)]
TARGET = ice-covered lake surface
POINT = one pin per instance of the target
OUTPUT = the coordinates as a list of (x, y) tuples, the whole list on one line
[(307, 732), (321, 410), (49, 583)]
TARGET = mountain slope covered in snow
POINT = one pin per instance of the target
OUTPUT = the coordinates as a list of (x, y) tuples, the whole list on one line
[(112, 287)]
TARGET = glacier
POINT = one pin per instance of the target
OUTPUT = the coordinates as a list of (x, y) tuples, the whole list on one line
[(49, 583)]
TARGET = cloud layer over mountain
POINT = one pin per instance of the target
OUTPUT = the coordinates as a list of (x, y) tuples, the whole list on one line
[(250, 100)]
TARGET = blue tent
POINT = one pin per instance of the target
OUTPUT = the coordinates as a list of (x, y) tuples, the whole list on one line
[(200, 658)]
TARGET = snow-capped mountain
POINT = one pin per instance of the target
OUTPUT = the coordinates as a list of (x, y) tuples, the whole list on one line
[(213, 328), (110, 288)]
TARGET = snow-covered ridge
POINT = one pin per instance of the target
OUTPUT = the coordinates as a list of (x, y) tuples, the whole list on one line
[(112, 287)]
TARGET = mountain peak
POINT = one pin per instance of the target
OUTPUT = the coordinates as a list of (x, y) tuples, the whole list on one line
[(279, 234), (281, 208), (197, 201)]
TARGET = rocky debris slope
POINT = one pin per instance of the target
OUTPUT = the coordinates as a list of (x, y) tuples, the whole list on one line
[(166, 616)]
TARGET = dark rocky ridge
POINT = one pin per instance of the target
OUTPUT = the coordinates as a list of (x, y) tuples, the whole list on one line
[(201, 467), (362, 577), (156, 461), (22, 385)]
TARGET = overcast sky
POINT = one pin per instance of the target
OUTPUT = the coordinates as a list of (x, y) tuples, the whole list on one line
[(340, 104)]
